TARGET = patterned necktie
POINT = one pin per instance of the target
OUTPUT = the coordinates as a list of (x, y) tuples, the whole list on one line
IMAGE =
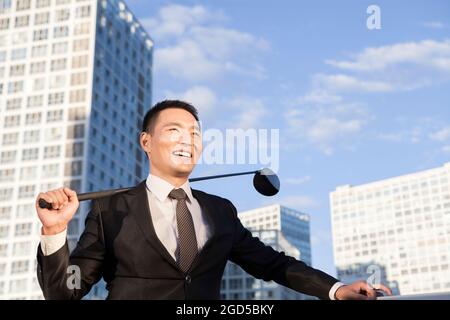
[(187, 241)]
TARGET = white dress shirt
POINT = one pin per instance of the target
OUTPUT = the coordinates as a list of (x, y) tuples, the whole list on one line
[(163, 215)]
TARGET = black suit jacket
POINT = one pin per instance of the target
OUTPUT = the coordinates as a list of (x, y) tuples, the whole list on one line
[(119, 243)]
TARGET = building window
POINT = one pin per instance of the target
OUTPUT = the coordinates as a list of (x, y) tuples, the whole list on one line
[(26, 191), (30, 154), (12, 121), (74, 149), (79, 62), (31, 136), (77, 95), (82, 28), (62, 15), (39, 51), (17, 70), (52, 134), (23, 229), (10, 138), (22, 248), (78, 78), (14, 103), (35, 101), (50, 170), (73, 168), (8, 156), (78, 113), (7, 175), (41, 18), (39, 35), (80, 45), (33, 118), (58, 64), (42, 3), (75, 131), (15, 86), (4, 230), (23, 5), (18, 285), (22, 21), (59, 48), (37, 67), (55, 115), (83, 12), (52, 152), (56, 98), (18, 54), (27, 173), (4, 24)]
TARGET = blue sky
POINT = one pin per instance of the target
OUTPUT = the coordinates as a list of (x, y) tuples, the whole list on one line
[(353, 105)]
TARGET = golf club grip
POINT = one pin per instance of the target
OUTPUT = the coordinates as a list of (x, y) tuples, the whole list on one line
[(86, 196)]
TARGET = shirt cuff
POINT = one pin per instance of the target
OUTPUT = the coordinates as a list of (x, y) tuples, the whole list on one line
[(52, 243), (333, 290)]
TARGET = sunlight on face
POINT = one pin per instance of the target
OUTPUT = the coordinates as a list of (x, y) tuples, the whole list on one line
[(176, 143)]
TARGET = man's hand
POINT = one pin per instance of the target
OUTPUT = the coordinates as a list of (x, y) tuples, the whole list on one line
[(360, 290), (64, 205)]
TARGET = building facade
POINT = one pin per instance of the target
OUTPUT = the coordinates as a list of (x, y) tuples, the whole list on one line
[(283, 229), (397, 230), (75, 82)]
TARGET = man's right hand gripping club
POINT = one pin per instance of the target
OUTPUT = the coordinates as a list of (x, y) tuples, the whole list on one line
[(64, 203)]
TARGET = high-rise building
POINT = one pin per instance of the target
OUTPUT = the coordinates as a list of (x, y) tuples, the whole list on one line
[(75, 80), (284, 230), (396, 229)]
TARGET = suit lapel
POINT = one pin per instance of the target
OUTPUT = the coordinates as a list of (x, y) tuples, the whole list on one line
[(139, 207)]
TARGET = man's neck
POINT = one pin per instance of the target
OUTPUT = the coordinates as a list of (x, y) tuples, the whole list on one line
[(175, 181)]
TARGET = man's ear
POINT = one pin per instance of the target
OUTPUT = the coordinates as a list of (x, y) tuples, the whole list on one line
[(145, 141)]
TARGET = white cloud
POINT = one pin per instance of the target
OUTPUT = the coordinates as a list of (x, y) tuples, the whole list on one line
[(319, 96), (201, 97), (434, 24), (193, 45), (297, 202), (426, 53), (441, 135), (342, 82), (250, 112), (327, 127), (413, 136), (175, 20), (298, 181)]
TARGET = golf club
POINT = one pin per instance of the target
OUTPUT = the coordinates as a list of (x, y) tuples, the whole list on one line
[(265, 181)]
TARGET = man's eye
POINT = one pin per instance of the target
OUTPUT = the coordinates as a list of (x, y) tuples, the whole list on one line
[(196, 134), (173, 129)]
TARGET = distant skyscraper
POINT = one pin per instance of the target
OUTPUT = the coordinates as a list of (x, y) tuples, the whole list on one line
[(396, 229), (75, 80), (283, 229)]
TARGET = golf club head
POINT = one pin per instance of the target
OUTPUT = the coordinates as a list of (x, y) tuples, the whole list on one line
[(266, 182)]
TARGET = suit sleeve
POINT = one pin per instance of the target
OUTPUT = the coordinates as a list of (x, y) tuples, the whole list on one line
[(62, 275), (263, 262)]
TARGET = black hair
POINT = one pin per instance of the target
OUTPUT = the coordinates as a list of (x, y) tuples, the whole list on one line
[(152, 114)]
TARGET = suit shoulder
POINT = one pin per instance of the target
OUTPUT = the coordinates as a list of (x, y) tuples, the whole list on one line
[(212, 197)]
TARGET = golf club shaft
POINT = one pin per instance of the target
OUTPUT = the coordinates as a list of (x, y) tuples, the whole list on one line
[(105, 193)]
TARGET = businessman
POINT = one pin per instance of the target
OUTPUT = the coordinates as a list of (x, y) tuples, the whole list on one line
[(162, 239)]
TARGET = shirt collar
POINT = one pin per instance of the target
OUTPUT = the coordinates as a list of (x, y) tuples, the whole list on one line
[(161, 188)]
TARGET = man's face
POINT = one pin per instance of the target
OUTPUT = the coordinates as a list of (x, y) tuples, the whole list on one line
[(175, 144)]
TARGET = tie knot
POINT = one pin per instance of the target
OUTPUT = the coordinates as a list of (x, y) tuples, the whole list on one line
[(178, 194)]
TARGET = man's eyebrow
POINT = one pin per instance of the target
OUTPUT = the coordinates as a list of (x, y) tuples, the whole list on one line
[(177, 124)]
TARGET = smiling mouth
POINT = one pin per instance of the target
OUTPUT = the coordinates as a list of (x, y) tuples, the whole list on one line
[(184, 154)]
